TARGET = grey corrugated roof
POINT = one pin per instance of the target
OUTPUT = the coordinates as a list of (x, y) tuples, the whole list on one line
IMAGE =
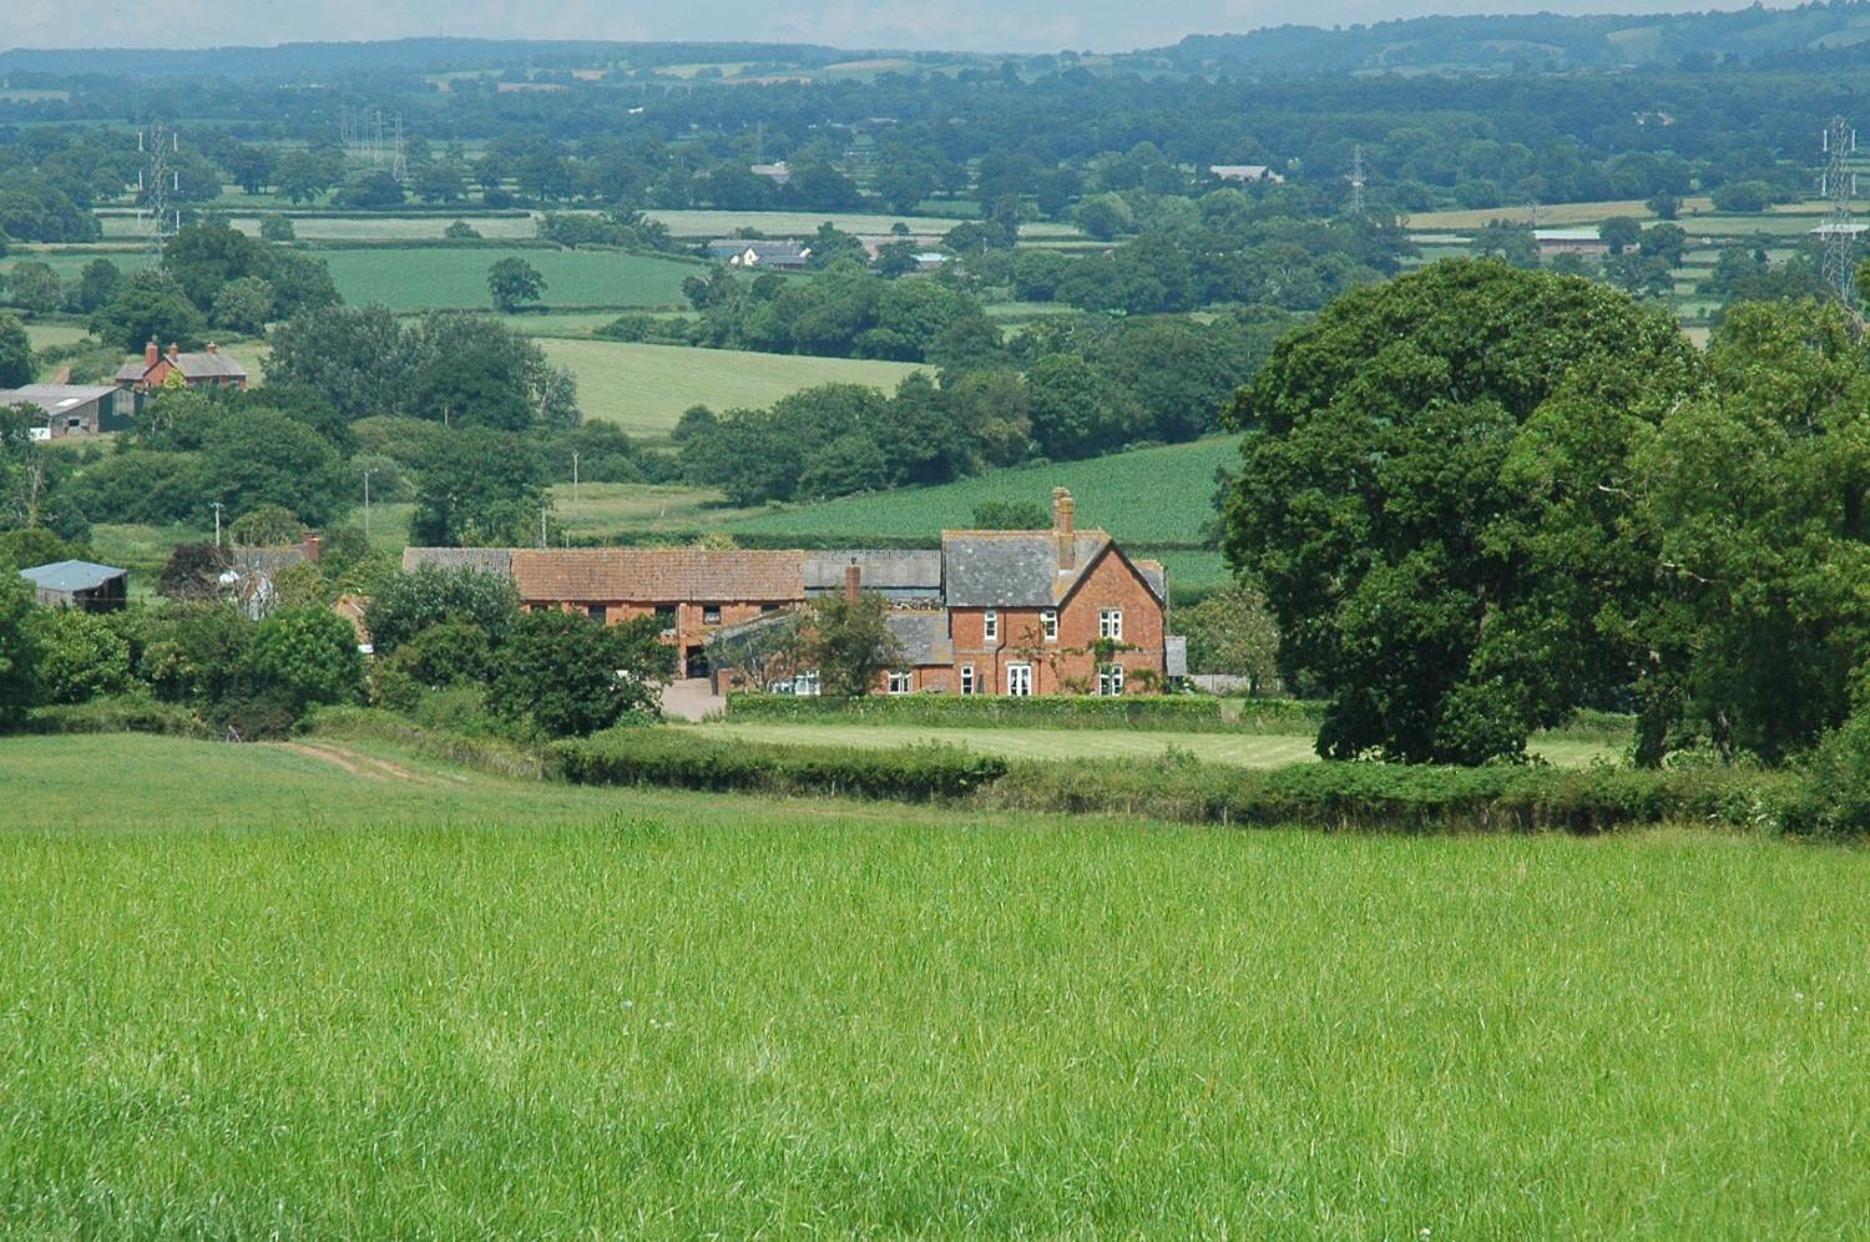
[(923, 637), (882, 569), (71, 575), (55, 398), (484, 560), (1011, 569)]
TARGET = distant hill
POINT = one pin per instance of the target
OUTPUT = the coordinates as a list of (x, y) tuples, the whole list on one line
[(426, 55), (1536, 41)]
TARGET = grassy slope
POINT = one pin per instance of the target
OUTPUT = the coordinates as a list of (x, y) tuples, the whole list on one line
[(645, 388), (249, 993), (1151, 494)]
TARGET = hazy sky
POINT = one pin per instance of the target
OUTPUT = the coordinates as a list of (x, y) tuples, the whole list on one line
[(987, 25)]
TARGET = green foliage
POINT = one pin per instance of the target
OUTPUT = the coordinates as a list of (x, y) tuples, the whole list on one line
[(479, 488), (1445, 601), (192, 572), (1011, 515), (308, 654), (1233, 631), (17, 367), (193, 653), (685, 760), (277, 228), (512, 283), (266, 459), (34, 286), (151, 307), (243, 305), (848, 642), (81, 656), (19, 652), (410, 604), (1152, 713), (572, 676), (267, 526)]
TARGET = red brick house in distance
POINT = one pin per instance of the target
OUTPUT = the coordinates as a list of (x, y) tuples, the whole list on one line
[(1039, 612), (208, 369)]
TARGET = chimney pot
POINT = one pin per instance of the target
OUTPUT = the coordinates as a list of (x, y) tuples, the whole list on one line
[(213, 348), (853, 581), (174, 349)]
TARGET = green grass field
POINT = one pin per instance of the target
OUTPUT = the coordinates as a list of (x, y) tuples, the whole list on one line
[(394, 228), (645, 388), (342, 991), (1242, 750), (418, 279), (1156, 494)]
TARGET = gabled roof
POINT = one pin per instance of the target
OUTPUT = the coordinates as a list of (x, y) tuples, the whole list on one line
[(880, 569), (71, 575), (923, 637), (659, 575), (1013, 568), (192, 366)]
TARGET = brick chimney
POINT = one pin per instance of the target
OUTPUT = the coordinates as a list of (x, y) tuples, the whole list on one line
[(853, 581), (151, 353), (213, 348), (313, 545), (175, 350), (1064, 527)]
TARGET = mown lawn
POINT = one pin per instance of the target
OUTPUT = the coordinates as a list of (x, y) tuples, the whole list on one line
[(645, 388), (421, 279), (250, 992), (1244, 750)]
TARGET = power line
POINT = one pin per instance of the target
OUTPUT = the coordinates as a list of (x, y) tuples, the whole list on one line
[(1840, 186)]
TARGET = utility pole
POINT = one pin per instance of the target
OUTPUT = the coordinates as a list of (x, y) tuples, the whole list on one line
[(218, 506), (575, 508), (367, 475), (1356, 205), (1840, 184), (542, 512)]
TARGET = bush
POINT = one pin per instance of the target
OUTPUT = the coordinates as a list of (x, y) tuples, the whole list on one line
[(82, 656), (1835, 793), (685, 759), (571, 676), (129, 714), (411, 603), (308, 655)]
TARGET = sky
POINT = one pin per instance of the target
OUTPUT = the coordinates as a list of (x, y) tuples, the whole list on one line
[(971, 25)]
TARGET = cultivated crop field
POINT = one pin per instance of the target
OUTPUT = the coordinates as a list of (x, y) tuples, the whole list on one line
[(645, 388), (342, 991), (1149, 495)]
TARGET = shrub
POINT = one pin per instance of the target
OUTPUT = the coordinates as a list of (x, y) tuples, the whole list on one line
[(686, 759), (1182, 714), (571, 676), (82, 656), (309, 655), (411, 603), (1835, 795)]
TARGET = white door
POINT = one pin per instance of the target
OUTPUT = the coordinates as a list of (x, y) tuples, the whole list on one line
[(1019, 680)]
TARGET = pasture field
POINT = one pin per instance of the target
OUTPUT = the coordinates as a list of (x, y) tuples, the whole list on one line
[(1550, 215), (1241, 750), (337, 990), (394, 228), (704, 224), (645, 388), (419, 279), (46, 335), (1144, 496), (599, 509)]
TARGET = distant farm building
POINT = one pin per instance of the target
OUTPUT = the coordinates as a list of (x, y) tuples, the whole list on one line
[(778, 173), (784, 256), (1245, 173), (79, 584), (72, 409), (159, 369), (1569, 241)]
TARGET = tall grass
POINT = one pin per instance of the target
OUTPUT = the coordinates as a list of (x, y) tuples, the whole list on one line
[(246, 993)]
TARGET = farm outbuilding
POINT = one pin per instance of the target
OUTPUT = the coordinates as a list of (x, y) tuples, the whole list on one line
[(71, 409), (79, 584)]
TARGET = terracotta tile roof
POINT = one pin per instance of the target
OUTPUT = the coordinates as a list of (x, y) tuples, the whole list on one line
[(658, 575)]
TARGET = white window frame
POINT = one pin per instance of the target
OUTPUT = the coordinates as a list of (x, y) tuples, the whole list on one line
[(1110, 681), (1018, 676), (990, 625), (967, 679), (805, 685), (1048, 624), (1110, 624), (900, 683)]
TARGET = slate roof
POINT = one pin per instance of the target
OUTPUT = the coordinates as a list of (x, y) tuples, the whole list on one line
[(192, 366), (923, 637), (1156, 576), (486, 560), (892, 571), (1012, 568), (71, 575), (659, 575)]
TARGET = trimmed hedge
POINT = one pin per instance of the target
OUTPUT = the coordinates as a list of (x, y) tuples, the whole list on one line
[(1341, 796), (123, 715), (686, 759)]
